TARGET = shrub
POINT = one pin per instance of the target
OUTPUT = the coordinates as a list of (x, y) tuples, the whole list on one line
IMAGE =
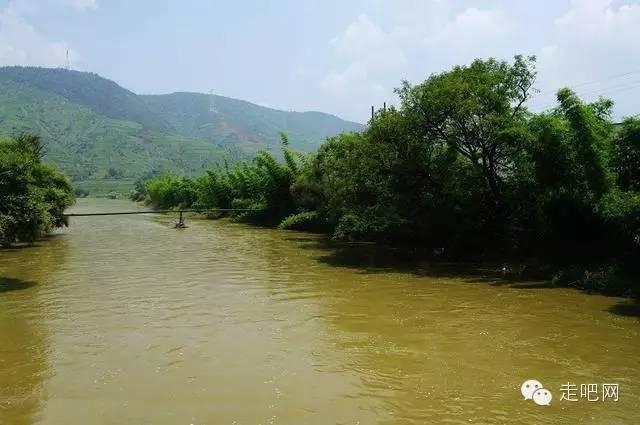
[(81, 192), (33, 195), (307, 220)]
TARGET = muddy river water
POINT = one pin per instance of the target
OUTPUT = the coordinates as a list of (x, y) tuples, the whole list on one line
[(124, 320)]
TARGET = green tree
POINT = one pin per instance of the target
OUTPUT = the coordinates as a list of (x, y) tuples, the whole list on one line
[(33, 194), (478, 110), (627, 143), (169, 191)]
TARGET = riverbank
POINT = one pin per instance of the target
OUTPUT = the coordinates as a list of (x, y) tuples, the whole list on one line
[(203, 322), (459, 168), (602, 279)]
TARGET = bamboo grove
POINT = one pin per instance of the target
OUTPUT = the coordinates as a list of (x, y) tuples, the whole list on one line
[(460, 166)]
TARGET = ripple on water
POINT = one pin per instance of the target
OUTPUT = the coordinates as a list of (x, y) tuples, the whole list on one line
[(223, 322)]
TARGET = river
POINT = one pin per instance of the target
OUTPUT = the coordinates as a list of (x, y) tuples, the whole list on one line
[(123, 320)]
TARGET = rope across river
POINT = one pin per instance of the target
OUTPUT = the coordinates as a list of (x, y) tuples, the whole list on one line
[(179, 223), (159, 212)]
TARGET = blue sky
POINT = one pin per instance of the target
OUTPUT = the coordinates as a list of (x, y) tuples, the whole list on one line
[(334, 56)]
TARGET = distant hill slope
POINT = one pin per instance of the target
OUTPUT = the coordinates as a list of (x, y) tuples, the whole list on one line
[(88, 89), (97, 152), (104, 136), (243, 124)]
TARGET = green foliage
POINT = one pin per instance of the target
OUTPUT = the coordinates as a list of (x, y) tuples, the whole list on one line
[(139, 192), (306, 220), (462, 168), (170, 191), (590, 130), (262, 185), (242, 126), (99, 153), (114, 173), (478, 110), (33, 194), (105, 137), (81, 192), (627, 158), (621, 213), (88, 89)]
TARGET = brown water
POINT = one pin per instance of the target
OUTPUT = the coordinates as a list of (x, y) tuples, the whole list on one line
[(123, 320)]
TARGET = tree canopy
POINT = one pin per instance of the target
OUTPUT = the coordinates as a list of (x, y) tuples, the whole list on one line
[(461, 167), (33, 194)]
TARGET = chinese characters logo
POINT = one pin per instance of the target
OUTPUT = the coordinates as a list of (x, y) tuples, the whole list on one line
[(534, 390), (589, 392)]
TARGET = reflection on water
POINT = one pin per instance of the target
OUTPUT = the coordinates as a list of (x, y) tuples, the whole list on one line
[(124, 320), (24, 347)]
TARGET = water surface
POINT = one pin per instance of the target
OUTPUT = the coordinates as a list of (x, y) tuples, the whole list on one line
[(123, 320)]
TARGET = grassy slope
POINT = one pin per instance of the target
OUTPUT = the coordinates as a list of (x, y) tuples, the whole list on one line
[(85, 144), (243, 124), (103, 96), (91, 124)]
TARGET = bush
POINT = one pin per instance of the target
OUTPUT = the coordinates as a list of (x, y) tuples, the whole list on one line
[(169, 191), (81, 192), (462, 165), (307, 220), (33, 195), (263, 185)]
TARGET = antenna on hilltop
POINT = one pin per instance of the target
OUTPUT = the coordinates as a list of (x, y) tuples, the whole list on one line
[(67, 64), (212, 102)]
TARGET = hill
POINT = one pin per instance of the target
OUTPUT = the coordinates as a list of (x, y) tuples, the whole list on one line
[(250, 127), (98, 153), (103, 96), (104, 136)]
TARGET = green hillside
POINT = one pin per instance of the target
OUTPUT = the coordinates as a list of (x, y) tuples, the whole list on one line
[(104, 136), (103, 96), (97, 152), (234, 122)]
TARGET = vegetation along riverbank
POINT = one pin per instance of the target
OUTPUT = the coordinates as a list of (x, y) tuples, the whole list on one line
[(460, 168), (33, 194)]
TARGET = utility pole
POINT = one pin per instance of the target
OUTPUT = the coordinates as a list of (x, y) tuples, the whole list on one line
[(67, 64)]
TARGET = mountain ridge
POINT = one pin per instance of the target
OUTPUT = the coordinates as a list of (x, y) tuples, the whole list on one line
[(105, 136)]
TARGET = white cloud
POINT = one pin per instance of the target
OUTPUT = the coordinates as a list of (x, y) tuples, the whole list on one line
[(82, 5), (367, 60), (581, 41), (337, 81), (364, 41), (371, 59), (22, 44), (365, 52), (470, 28), (594, 49), (599, 21)]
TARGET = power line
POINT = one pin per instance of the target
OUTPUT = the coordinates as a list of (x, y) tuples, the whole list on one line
[(620, 87), (601, 80), (612, 77), (611, 88)]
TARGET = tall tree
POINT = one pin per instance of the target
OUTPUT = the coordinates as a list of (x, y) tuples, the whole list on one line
[(478, 110)]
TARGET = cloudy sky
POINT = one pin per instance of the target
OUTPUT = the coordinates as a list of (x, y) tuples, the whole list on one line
[(337, 56)]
